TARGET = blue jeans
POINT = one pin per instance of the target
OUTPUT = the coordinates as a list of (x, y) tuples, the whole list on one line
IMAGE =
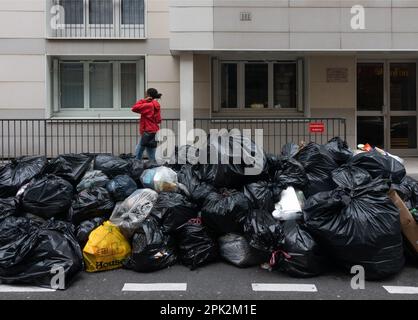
[(139, 152)]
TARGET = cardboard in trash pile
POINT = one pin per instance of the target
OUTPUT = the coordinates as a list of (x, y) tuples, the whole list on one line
[(409, 226)]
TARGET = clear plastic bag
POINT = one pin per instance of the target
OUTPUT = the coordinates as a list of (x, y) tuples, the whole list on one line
[(133, 211), (160, 179)]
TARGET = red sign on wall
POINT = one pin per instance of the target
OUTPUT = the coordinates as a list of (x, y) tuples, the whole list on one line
[(316, 127)]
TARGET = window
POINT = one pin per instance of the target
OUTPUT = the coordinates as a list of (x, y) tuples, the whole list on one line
[(101, 11), (255, 85), (72, 85), (97, 85), (133, 12), (74, 11), (101, 19), (229, 85)]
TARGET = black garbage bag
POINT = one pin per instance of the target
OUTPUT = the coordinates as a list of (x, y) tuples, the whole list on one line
[(318, 164), (290, 173), (197, 190), (239, 161), (135, 170), (234, 248), (358, 224), (111, 166), (84, 229), (380, 166), (172, 210), (195, 247), (19, 172), (300, 255), (93, 179), (261, 195), (263, 232), (70, 167), (33, 254), (339, 150), (8, 207), (225, 211), (290, 150), (91, 203), (48, 197), (121, 187), (185, 154), (152, 250), (408, 191)]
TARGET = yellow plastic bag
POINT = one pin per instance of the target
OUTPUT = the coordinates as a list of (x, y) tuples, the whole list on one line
[(106, 249)]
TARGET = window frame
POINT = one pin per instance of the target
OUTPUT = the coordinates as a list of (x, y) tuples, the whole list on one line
[(217, 84), (117, 89)]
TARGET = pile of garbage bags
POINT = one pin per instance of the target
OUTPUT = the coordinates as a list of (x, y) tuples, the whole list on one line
[(302, 212)]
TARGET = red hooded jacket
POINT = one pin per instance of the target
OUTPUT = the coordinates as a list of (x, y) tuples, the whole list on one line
[(150, 115)]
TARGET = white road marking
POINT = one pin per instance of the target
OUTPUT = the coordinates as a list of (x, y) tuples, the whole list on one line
[(401, 290), (9, 288), (284, 287), (155, 287)]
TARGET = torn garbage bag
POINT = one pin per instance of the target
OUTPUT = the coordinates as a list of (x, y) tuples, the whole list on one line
[(263, 231), (121, 187), (106, 249), (358, 223), (112, 166), (172, 210), (152, 250), (32, 253), (225, 211), (85, 228), (196, 247), (70, 167), (136, 208), (300, 256), (380, 166), (48, 197), (7, 207), (91, 203), (318, 164), (19, 172), (93, 179), (235, 249), (260, 195)]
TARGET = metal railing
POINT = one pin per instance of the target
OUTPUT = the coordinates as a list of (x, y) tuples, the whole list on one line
[(97, 19), (51, 137)]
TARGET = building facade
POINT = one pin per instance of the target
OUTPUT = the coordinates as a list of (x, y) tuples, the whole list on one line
[(69, 59)]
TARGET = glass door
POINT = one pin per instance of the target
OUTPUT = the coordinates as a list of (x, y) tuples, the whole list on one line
[(387, 106), (371, 103)]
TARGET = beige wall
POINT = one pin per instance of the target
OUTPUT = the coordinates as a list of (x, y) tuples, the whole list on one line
[(333, 100)]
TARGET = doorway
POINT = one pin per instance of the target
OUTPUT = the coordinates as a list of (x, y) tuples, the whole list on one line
[(387, 105)]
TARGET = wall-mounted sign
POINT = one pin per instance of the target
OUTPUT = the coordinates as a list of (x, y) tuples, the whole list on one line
[(316, 127), (245, 16), (337, 74)]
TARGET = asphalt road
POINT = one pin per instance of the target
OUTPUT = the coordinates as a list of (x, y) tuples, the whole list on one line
[(221, 281)]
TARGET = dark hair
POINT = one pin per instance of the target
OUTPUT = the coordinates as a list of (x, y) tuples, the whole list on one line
[(153, 93)]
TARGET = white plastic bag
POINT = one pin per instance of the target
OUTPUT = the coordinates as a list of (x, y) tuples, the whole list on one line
[(160, 179), (129, 214), (289, 207)]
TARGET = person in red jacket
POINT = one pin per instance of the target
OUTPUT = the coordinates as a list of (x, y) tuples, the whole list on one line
[(150, 111)]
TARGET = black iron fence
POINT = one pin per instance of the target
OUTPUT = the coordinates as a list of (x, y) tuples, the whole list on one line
[(51, 137), (96, 19)]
